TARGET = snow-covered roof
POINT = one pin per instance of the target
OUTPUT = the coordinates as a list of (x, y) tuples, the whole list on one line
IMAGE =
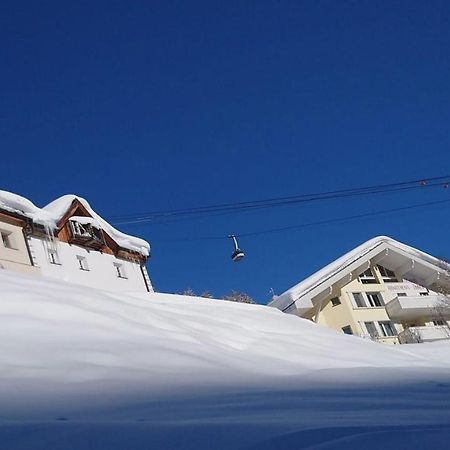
[(301, 294), (59, 207), (16, 204), (52, 213), (86, 221)]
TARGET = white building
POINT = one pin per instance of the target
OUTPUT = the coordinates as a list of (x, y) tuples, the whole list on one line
[(382, 290), (67, 240)]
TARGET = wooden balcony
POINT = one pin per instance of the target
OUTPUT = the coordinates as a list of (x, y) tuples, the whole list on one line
[(86, 235)]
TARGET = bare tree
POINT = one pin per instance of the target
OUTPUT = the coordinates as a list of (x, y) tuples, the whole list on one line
[(189, 292), (206, 294), (240, 297), (442, 309)]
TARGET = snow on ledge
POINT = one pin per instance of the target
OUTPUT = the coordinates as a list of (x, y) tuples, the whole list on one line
[(20, 205)]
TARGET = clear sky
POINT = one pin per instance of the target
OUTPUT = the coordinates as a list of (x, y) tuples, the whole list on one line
[(141, 106)]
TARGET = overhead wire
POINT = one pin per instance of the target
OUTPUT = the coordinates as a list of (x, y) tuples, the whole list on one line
[(315, 223), (169, 216)]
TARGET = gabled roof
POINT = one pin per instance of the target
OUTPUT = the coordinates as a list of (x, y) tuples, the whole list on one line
[(406, 261), (61, 209)]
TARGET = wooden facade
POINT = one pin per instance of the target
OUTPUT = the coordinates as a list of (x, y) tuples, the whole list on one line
[(100, 241)]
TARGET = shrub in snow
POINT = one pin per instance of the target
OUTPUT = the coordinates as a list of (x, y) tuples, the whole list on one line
[(240, 297)]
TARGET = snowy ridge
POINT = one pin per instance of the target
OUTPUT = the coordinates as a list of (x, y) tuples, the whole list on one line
[(288, 297), (50, 215), (83, 334), (103, 370)]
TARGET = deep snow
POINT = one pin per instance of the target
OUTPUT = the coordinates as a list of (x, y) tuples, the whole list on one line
[(88, 369)]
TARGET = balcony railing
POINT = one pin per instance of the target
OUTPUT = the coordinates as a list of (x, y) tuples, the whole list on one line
[(424, 334)]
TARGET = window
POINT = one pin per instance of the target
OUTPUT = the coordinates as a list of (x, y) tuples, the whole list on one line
[(347, 329), (367, 277), (120, 270), (423, 293), (335, 301), (375, 299), (78, 229), (7, 239), (53, 257), (439, 322), (401, 294), (371, 329), (82, 262), (86, 233), (359, 299), (387, 275), (387, 328)]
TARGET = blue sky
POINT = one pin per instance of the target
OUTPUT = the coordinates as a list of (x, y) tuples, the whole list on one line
[(146, 106)]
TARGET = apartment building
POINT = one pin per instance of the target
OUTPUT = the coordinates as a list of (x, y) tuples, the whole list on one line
[(382, 290)]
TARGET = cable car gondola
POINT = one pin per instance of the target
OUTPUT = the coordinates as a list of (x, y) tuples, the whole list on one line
[(238, 254)]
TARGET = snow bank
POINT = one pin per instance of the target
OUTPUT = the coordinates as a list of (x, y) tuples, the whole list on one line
[(54, 211), (83, 368), (57, 331)]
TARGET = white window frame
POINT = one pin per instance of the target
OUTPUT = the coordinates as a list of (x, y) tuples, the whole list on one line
[(369, 296), (82, 263), (53, 257), (353, 299), (366, 300), (364, 278), (383, 326), (376, 334), (8, 239), (120, 271), (386, 277)]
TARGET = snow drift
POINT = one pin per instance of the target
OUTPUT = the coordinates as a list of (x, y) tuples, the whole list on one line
[(117, 371)]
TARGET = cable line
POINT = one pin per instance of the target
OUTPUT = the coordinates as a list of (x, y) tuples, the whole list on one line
[(316, 223), (228, 208)]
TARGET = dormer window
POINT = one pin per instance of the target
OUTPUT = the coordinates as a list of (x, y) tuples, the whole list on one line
[(86, 231), (368, 277), (387, 275), (79, 230)]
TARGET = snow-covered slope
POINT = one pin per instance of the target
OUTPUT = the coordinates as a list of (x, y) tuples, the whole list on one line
[(60, 331), (107, 368)]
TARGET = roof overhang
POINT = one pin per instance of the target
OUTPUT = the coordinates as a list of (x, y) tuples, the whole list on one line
[(405, 261)]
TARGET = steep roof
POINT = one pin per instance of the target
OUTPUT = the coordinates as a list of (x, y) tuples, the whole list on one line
[(58, 208), (51, 214), (414, 264)]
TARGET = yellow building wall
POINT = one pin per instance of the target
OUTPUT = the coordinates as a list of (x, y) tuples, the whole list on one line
[(346, 314)]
